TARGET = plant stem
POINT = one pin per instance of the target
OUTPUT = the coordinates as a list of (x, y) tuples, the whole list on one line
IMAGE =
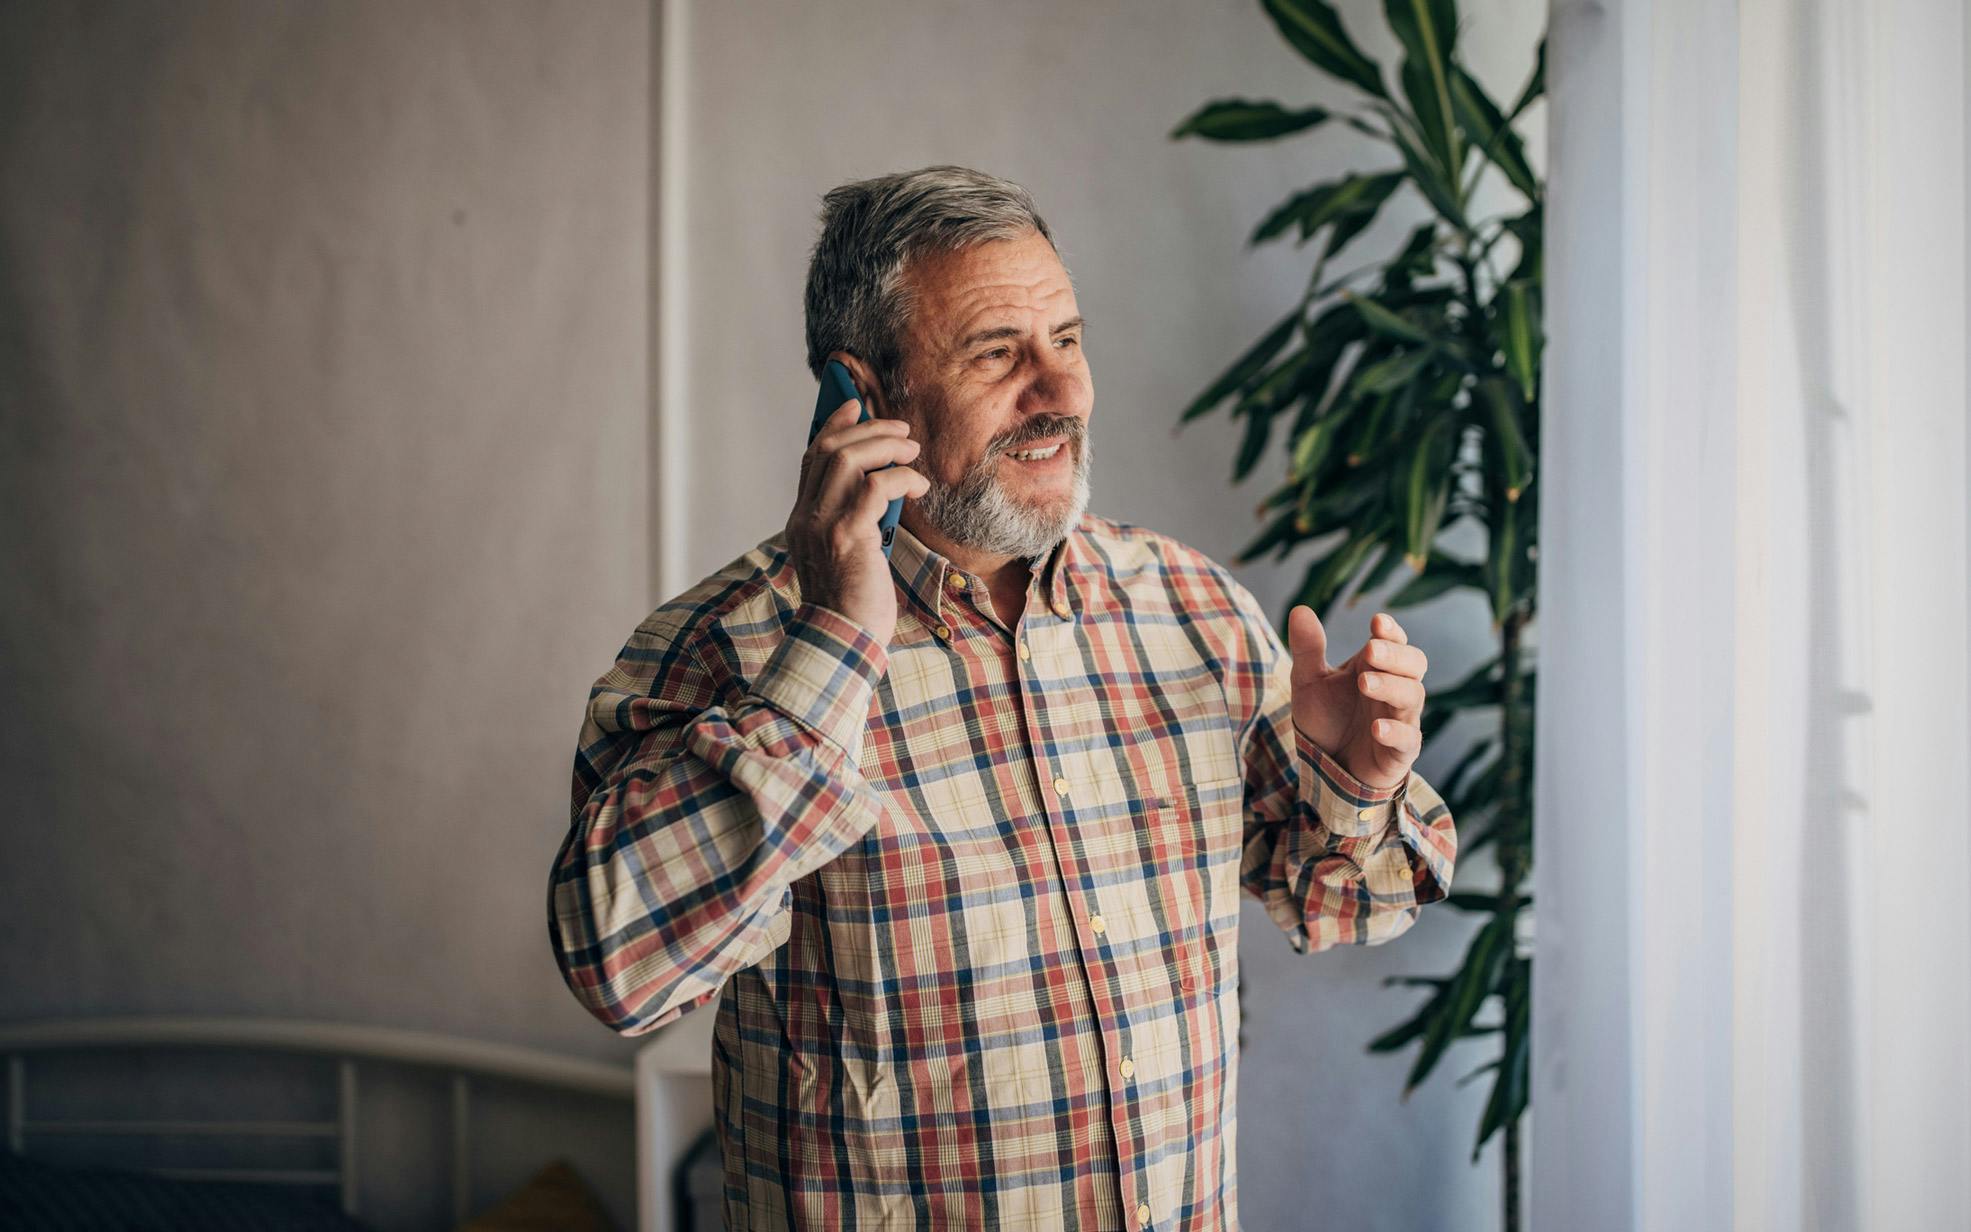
[(1512, 850)]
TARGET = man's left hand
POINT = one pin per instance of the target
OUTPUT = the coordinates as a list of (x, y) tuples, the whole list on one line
[(1365, 713)]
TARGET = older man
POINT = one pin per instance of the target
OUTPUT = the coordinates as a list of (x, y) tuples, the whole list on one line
[(960, 834)]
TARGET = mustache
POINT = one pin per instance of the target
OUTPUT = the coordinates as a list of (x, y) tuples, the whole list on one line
[(1070, 426)]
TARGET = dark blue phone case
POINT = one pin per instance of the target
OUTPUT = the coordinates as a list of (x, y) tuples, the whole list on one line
[(836, 388)]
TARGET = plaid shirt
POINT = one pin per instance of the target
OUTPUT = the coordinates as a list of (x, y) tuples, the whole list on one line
[(971, 898)]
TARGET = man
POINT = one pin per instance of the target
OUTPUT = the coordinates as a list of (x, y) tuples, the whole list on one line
[(960, 834)]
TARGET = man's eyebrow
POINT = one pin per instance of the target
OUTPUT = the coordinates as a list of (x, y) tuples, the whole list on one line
[(1013, 331)]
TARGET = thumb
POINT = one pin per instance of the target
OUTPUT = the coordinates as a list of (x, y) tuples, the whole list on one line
[(1306, 639)]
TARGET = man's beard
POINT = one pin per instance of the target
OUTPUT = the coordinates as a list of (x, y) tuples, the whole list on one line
[(980, 514)]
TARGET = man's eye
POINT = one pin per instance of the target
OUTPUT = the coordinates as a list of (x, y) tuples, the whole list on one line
[(1073, 339), (994, 351)]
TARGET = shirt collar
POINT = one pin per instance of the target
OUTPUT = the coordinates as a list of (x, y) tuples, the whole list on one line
[(928, 574)]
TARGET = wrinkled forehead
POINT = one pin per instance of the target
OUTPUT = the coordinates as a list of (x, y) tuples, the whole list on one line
[(998, 283)]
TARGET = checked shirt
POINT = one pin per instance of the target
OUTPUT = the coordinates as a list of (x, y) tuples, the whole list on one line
[(968, 902)]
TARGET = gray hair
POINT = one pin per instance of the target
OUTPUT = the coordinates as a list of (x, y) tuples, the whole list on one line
[(871, 230)]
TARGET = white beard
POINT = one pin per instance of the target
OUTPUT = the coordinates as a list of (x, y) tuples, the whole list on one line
[(978, 513)]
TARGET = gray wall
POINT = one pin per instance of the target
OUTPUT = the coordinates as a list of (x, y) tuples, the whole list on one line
[(786, 100), (323, 499)]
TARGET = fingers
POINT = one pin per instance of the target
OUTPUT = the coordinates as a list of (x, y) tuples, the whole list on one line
[(1403, 737), (1384, 625), (1307, 640), (840, 470), (1396, 658), (841, 425), (882, 487), (1404, 696)]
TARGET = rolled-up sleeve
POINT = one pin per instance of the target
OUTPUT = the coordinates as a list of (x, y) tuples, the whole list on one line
[(1334, 860), (696, 808)]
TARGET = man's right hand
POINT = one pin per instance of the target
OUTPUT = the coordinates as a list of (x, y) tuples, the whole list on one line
[(832, 534)]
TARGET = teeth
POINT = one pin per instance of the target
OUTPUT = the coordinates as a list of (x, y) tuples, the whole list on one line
[(1031, 455)]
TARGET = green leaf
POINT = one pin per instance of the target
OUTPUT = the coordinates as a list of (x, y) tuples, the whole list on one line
[(1279, 498), (1348, 225), (1274, 390), (1431, 180), (1279, 534), (1428, 30), (1382, 320), (1466, 992), (1523, 339), (1417, 981), (1502, 552), (1316, 32), (1368, 438), (1385, 565), (1471, 758), (1337, 506), (1494, 136), (1349, 199), (1527, 229), (1434, 124), (1434, 581), (1480, 687), (1247, 367), (1401, 1034), (1428, 487), (1310, 448), (1483, 788), (1536, 85), (1398, 370), (1515, 457), (1328, 339), (1238, 119), (1259, 423), (1509, 1091), (1481, 1069), (1418, 259), (1327, 576)]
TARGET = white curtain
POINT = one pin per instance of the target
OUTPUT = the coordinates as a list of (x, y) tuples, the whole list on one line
[(1753, 970)]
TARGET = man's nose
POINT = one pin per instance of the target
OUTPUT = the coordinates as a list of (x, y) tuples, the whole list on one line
[(1059, 385)]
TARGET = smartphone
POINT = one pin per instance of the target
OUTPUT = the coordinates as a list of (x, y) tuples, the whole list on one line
[(838, 387)]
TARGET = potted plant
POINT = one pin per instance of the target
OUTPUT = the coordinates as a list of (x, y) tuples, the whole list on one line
[(1405, 394)]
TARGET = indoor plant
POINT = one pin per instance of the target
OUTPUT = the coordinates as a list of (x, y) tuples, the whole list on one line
[(1406, 395)]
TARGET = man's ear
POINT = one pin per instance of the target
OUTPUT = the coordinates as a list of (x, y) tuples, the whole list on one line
[(865, 382)]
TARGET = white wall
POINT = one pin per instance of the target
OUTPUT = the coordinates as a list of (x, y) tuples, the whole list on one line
[(782, 102), (323, 499)]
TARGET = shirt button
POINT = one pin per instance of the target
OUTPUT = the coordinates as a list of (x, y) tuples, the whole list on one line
[(1143, 1214), (1367, 814), (1095, 924), (1024, 652), (1128, 1067), (944, 631), (1061, 609), (1060, 787), (958, 581)]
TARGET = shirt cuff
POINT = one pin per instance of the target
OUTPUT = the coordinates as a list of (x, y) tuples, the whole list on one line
[(824, 674), (1345, 804)]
